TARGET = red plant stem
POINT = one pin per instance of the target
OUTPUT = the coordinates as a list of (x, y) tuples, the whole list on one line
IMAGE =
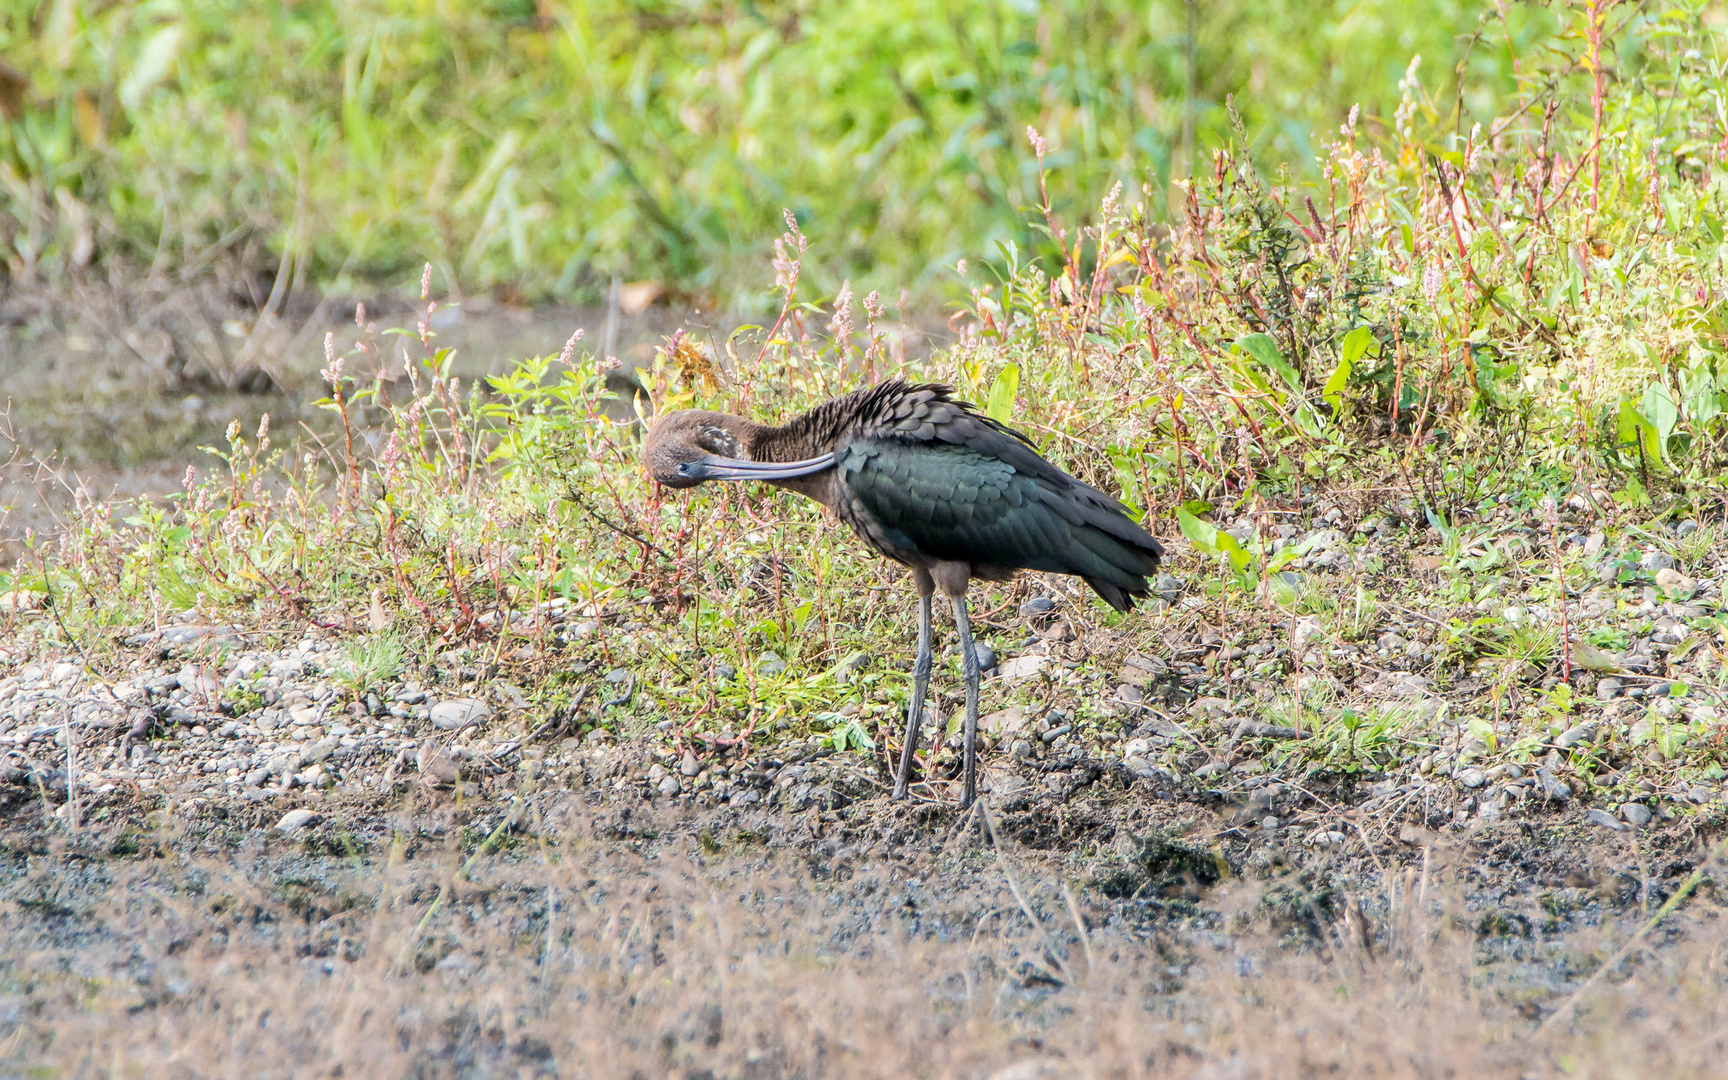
[(1595, 12)]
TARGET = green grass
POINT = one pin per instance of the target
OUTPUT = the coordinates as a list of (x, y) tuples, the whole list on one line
[(368, 662), (542, 148)]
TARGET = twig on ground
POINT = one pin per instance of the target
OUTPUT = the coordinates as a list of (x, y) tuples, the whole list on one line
[(1061, 972), (647, 545)]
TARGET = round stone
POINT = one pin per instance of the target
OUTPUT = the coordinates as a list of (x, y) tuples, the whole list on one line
[(456, 713), (295, 820), (1598, 816), (1037, 606)]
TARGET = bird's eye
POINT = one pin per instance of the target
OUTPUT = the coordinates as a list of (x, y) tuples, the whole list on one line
[(683, 468)]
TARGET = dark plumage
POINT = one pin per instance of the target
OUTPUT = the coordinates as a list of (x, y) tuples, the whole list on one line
[(933, 484)]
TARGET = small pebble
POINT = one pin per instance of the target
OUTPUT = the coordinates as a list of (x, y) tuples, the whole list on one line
[(1037, 607), (195, 679), (1579, 733), (1636, 813), (689, 766), (670, 786), (1674, 582), (1657, 560), (1599, 816), (1471, 777), (457, 713), (295, 820)]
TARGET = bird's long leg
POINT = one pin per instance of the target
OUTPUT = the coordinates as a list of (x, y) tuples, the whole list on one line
[(968, 664), (915, 708)]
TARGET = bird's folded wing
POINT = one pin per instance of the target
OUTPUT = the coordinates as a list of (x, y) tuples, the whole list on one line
[(957, 502)]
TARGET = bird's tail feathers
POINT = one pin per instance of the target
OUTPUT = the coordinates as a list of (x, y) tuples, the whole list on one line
[(1118, 569), (1115, 595)]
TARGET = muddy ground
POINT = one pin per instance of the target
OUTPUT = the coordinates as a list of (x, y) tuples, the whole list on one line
[(1143, 807), (434, 822)]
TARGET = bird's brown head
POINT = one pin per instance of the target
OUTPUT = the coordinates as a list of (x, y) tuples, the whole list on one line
[(679, 443), (687, 447)]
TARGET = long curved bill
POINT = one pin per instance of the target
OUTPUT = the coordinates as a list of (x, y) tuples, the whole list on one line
[(724, 468)]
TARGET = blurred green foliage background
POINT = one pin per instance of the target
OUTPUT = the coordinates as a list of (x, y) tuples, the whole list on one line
[(543, 148)]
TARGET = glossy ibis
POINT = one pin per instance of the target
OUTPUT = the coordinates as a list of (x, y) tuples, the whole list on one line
[(938, 487)]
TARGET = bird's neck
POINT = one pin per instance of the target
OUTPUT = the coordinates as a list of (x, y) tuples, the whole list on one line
[(813, 434), (797, 440), (788, 442)]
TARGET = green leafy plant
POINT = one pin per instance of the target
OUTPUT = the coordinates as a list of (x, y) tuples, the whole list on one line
[(367, 662), (844, 733), (1001, 402)]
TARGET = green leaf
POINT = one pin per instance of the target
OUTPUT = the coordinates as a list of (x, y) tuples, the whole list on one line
[(1290, 554), (1350, 351), (1213, 541), (1001, 404), (1355, 345), (1333, 391), (1262, 348), (1202, 535), (1703, 403), (1590, 658), (155, 61), (1659, 408), (850, 736), (1634, 428)]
